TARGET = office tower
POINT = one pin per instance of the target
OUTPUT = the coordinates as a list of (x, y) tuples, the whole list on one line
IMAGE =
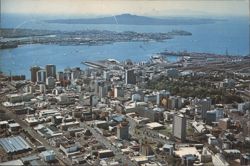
[(122, 130), (179, 127), (130, 77), (60, 76), (33, 71), (51, 70), (205, 105), (41, 76)]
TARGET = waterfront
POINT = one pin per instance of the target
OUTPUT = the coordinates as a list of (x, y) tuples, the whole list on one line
[(231, 35)]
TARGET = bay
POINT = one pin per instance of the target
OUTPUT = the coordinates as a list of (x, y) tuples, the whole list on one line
[(231, 35)]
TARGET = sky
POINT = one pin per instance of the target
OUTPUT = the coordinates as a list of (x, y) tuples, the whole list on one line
[(139, 7)]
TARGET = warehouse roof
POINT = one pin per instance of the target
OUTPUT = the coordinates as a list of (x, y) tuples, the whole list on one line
[(14, 144)]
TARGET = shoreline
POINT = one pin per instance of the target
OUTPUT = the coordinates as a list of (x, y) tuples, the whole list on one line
[(13, 38)]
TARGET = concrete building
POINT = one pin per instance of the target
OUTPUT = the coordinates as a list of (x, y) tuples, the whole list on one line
[(168, 149), (60, 76), (70, 149), (130, 77), (179, 127), (224, 123), (210, 116), (214, 115), (42, 88), (136, 97), (106, 75), (41, 76), (33, 71), (103, 91), (48, 155), (51, 70), (146, 149), (203, 106), (172, 72), (174, 102), (245, 159), (14, 128), (150, 98), (154, 126), (154, 115), (75, 73), (162, 98), (105, 153), (16, 98), (50, 82), (118, 91), (123, 130)]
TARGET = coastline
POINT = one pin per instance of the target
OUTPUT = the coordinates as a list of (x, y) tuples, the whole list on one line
[(11, 38)]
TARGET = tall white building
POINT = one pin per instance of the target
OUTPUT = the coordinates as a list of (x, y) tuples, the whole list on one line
[(179, 127)]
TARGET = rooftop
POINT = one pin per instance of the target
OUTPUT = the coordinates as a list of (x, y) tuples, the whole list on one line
[(14, 144)]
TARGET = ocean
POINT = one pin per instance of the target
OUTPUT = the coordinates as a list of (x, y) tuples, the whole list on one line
[(231, 35)]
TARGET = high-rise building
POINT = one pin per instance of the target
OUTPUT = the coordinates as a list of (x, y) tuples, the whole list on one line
[(179, 127), (205, 105), (33, 71), (130, 77), (60, 76), (41, 76), (51, 70), (122, 130)]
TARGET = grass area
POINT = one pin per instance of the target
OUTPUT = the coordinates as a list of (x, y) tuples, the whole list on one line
[(194, 87)]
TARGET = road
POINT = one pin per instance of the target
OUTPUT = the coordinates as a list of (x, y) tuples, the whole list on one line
[(103, 140), (30, 130), (144, 132)]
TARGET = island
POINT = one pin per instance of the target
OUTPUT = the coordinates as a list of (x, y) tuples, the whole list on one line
[(131, 19)]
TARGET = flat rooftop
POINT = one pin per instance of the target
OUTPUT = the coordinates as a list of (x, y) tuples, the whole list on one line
[(154, 125), (14, 144)]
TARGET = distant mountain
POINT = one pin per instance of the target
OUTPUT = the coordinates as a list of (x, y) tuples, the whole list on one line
[(129, 19)]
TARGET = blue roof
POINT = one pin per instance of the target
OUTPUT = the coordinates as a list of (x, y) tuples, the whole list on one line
[(168, 146), (14, 144), (118, 118)]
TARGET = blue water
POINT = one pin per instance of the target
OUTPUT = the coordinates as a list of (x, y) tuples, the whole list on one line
[(231, 35)]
